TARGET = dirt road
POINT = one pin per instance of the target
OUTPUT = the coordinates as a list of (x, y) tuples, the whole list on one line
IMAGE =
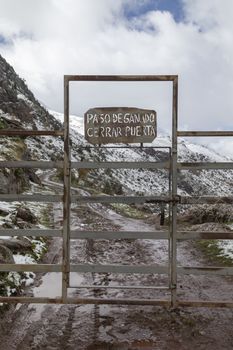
[(119, 327)]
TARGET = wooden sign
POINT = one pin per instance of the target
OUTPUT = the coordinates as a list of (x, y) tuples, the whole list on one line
[(120, 125)]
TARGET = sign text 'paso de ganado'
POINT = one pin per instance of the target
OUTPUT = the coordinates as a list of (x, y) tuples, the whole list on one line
[(120, 125)]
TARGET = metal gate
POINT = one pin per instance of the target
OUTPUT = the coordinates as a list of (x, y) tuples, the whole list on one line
[(172, 200)]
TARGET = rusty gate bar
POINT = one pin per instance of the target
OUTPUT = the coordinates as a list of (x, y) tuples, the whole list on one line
[(17, 132), (93, 286), (121, 165), (31, 164), (204, 133), (173, 263), (96, 301), (131, 235), (50, 198), (117, 165), (206, 165), (206, 200), (119, 235), (122, 199), (120, 77), (66, 194)]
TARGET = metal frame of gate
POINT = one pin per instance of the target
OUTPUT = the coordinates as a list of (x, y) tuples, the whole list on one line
[(173, 236)]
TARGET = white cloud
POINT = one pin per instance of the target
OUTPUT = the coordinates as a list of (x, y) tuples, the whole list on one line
[(50, 38)]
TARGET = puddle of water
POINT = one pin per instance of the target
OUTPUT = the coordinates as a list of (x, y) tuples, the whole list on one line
[(50, 286)]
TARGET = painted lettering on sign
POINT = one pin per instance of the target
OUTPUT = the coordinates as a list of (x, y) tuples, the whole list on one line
[(120, 125)]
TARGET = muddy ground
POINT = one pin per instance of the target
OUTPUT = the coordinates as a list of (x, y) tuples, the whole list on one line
[(119, 327)]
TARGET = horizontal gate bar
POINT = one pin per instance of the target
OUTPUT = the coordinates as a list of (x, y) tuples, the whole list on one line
[(206, 200), (102, 301), (120, 77), (31, 197), (204, 133), (120, 199), (210, 304), (75, 234), (140, 269), (118, 235), (86, 268), (31, 164), (116, 165), (223, 271), (120, 165), (94, 286), (45, 300), (31, 267), (16, 132), (31, 232), (185, 235), (204, 165), (120, 268)]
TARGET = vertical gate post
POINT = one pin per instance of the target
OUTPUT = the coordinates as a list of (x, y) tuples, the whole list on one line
[(174, 194), (66, 195)]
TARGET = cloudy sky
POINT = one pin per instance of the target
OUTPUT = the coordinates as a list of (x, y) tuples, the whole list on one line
[(45, 39)]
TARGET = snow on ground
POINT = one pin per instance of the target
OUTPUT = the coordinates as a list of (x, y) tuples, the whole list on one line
[(227, 248), (15, 280)]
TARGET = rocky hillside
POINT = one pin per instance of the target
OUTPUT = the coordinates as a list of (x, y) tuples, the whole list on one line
[(20, 109)]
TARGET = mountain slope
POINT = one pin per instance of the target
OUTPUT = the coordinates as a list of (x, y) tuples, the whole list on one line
[(20, 109)]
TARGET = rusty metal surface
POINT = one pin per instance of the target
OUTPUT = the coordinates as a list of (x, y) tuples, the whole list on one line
[(98, 301), (66, 196), (31, 232), (192, 235), (93, 286), (16, 132), (204, 133), (140, 269), (111, 235), (122, 199), (200, 270), (76, 301), (49, 198), (31, 164), (120, 125), (206, 304), (120, 78), (173, 204), (204, 165), (118, 235), (31, 267), (120, 165), (206, 200)]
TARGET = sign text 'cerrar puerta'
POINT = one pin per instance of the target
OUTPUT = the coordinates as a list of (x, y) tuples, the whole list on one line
[(120, 125)]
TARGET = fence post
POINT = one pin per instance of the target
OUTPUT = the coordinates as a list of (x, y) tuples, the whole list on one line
[(66, 196)]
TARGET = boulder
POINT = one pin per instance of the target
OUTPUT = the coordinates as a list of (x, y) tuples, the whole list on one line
[(16, 245), (3, 212), (6, 256), (26, 215)]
